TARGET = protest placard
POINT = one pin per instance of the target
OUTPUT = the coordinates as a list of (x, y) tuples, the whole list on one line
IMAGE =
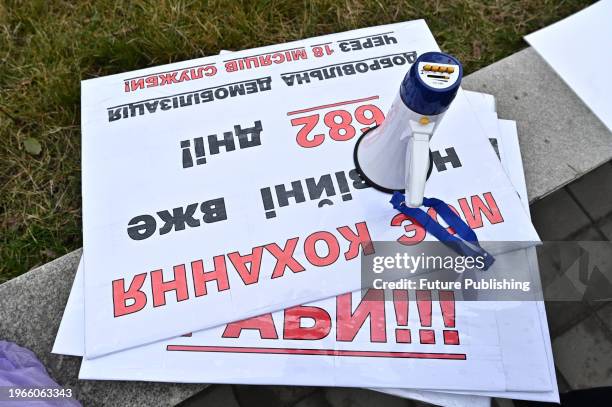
[(124, 364), (224, 187)]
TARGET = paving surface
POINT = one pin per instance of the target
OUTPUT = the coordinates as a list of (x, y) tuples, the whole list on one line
[(560, 139)]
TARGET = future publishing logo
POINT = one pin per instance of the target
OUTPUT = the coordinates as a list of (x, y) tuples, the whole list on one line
[(441, 272), (467, 284)]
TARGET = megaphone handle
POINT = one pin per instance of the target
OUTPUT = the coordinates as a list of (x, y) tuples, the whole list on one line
[(417, 166)]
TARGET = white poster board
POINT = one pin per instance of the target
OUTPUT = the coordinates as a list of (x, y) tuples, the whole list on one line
[(129, 365), (191, 188), (578, 49)]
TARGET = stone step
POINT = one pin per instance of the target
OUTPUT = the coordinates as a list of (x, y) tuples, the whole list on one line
[(560, 138)]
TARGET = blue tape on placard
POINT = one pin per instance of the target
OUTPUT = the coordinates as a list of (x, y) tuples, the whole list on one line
[(452, 219)]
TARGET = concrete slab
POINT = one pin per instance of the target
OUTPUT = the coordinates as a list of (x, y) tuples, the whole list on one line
[(594, 191), (290, 395), (562, 384), (316, 399), (342, 397), (605, 316), (560, 138), (562, 315), (550, 265), (271, 396), (214, 396), (31, 307), (606, 227), (496, 402), (583, 355), (551, 226)]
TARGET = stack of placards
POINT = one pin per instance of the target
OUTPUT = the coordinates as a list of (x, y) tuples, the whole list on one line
[(224, 222)]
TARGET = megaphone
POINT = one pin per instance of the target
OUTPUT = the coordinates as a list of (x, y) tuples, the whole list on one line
[(395, 156)]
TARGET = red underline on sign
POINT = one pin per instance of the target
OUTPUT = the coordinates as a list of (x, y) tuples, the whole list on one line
[(316, 352), (348, 102)]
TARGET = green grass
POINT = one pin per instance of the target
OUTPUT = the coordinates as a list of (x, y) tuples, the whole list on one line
[(48, 47)]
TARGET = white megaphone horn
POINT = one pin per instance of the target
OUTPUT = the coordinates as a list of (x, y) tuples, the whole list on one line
[(395, 156)]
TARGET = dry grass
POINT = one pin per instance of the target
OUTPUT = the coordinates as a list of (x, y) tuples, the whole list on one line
[(47, 47)]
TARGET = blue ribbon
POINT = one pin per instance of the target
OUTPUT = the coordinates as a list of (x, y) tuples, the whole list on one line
[(452, 219)]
